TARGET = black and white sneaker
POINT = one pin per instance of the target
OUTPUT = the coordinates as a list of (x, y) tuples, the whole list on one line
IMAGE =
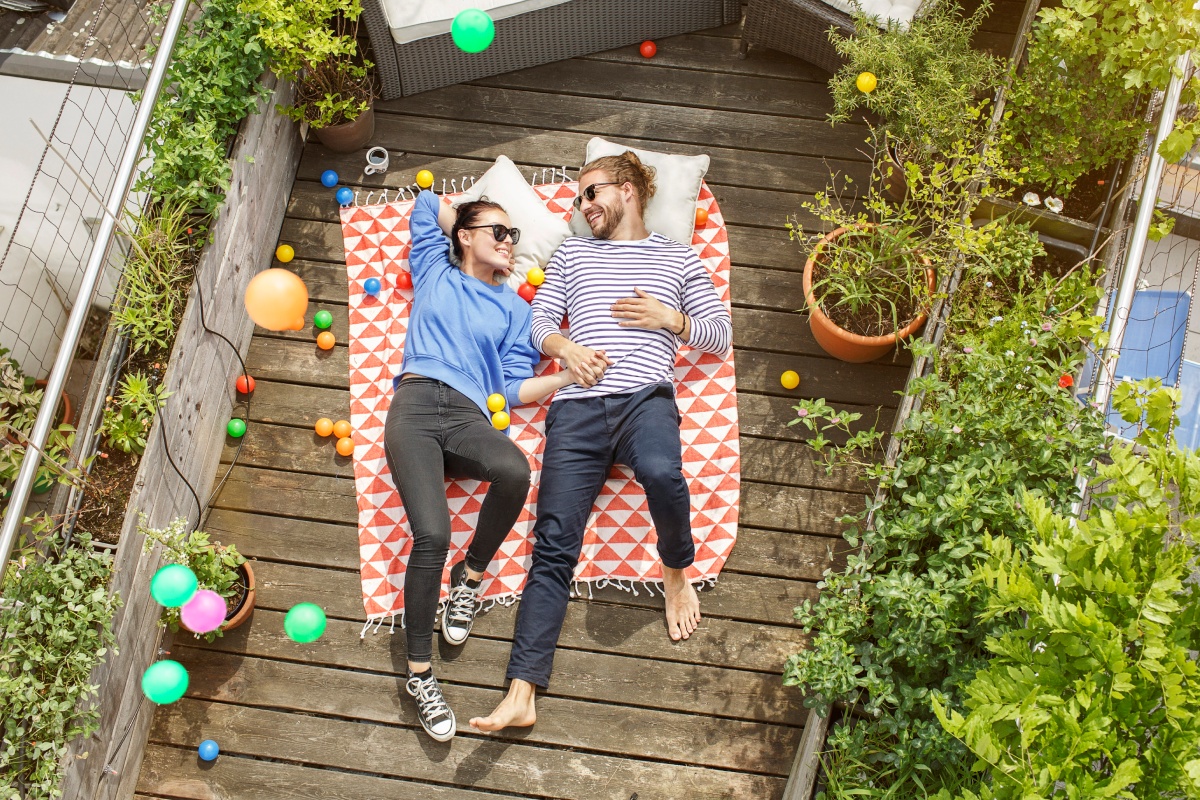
[(436, 717), (459, 614)]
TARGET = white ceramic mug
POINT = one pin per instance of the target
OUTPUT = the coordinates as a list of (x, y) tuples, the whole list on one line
[(377, 160)]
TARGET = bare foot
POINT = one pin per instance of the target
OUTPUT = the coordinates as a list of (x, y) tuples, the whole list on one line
[(683, 606), (516, 710)]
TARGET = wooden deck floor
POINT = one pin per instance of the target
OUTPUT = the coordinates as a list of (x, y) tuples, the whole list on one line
[(628, 710)]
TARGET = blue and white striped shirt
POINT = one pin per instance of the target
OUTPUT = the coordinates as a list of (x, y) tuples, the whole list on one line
[(586, 276)]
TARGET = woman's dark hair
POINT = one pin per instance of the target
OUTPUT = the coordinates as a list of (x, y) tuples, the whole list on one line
[(468, 213)]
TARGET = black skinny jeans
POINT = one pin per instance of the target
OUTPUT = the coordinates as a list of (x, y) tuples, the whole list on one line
[(434, 432)]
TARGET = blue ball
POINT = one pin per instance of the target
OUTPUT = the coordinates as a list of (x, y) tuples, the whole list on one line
[(372, 286), (345, 196), (329, 179), (208, 750)]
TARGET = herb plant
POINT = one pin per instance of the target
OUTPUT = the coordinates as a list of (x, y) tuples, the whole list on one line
[(153, 289), (128, 415)]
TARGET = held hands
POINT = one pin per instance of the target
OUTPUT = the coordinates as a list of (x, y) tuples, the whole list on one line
[(585, 365), (647, 312)]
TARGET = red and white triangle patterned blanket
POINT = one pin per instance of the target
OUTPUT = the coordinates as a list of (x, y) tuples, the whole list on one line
[(620, 544)]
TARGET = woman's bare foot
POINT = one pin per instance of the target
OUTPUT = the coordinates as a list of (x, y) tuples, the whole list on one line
[(516, 710), (682, 606)]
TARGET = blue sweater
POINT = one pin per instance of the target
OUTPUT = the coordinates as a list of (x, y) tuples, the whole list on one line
[(468, 334)]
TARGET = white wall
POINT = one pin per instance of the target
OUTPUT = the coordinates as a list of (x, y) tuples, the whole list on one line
[(40, 276)]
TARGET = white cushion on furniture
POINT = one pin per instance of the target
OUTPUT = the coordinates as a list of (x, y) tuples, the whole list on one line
[(672, 210), (898, 11), (410, 20), (542, 231)]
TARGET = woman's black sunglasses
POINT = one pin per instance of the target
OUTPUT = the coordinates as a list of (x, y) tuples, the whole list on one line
[(590, 193), (501, 232)]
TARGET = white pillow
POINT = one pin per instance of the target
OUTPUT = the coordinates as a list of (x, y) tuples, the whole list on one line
[(542, 231), (672, 210)]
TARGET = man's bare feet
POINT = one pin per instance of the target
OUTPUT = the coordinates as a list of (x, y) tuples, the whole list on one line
[(683, 606), (516, 710)]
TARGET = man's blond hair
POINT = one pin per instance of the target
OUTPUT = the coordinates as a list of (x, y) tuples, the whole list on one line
[(625, 168)]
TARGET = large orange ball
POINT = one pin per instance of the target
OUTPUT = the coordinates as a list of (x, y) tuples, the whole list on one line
[(345, 446), (326, 340), (341, 429), (324, 426), (276, 299)]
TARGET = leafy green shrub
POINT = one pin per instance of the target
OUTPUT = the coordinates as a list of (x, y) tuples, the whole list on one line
[(57, 624), (128, 416), (1093, 689), (900, 626)]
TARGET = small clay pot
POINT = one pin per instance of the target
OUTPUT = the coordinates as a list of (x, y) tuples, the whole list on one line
[(242, 611), (349, 137)]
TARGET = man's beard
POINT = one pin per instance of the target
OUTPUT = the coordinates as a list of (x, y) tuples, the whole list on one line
[(612, 218)]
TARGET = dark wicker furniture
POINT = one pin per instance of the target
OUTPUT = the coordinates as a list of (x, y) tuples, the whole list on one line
[(562, 31), (797, 27)]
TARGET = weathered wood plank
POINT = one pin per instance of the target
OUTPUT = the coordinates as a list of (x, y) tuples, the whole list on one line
[(611, 726), (474, 761), (768, 416), (716, 54)]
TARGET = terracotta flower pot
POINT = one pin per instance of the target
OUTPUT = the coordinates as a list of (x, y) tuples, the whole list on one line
[(349, 137), (841, 343), (242, 611)]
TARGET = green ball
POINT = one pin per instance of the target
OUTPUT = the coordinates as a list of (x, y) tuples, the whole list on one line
[(236, 428), (164, 682), (472, 30), (323, 320), (305, 622), (173, 585)]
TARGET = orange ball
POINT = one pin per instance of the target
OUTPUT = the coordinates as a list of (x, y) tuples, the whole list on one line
[(341, 429), (324, 426), (326, 340), (276, 299), (345, 446), (701, 217)]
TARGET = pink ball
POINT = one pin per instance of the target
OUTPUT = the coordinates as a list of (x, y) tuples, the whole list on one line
[(204, 612)]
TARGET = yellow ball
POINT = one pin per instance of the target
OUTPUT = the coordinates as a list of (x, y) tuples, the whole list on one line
[(500, 420), (790, 379), (424, 179), (866, 82), (536, 276), (495, 402), (284, 253)]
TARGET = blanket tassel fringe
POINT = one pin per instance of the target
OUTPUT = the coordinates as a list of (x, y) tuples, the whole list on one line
[(410, 192)]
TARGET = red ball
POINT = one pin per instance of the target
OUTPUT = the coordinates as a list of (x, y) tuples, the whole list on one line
[(527, 291), (403, 280), (648, 49), (245, 384)]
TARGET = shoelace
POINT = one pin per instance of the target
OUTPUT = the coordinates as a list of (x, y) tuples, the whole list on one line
[(462, 603), (429, 697)]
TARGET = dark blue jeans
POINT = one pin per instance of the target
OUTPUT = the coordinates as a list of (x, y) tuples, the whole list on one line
[(584, 438)]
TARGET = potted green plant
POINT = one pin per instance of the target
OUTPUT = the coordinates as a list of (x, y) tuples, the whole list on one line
[(20, 399), (218, 567), (314, 43)]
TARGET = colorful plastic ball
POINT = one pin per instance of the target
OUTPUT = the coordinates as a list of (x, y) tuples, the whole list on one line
[(276, 299), (284, 253), (323, 319), (648, 49), (372, 286), (527, 292), (701, 217), (324, 426), (403, 280), (164, 682), (305, 622), (424, 179), (866, 82), (472, 30), (790, 379), (341, 429), (204, 612), (344, 196), (495, 402), (345, 447), (236, 428), (208, 750), (173, 585), (500, 420), (326, 340), (536, 276), (244, 384), (329, 179)]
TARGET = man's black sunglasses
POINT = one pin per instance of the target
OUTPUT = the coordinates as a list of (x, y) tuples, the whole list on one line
[(501, 232), (590, 193)]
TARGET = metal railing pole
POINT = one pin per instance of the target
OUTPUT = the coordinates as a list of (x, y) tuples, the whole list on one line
[(126, 168)]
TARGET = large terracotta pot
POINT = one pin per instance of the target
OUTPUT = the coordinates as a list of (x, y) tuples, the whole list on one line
[(240, 613), (349, 137), (841, 343)]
